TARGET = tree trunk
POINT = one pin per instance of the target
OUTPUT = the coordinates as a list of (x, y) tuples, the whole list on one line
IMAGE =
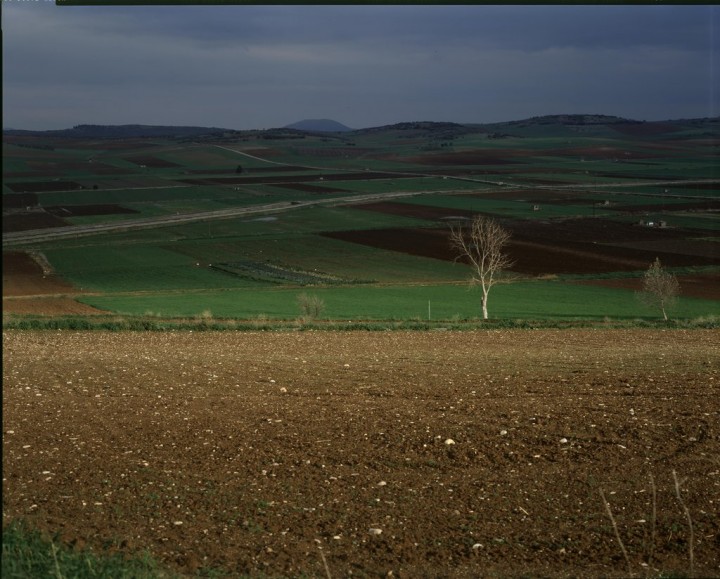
[(484, 307)]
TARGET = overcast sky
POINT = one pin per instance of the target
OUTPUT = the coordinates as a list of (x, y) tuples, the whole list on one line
[(249, 67)]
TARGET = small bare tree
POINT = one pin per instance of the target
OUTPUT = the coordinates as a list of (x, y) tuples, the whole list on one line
[(660, 288), (483, 244)]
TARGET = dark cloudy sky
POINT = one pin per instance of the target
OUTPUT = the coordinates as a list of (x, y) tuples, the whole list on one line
[(247, 67)]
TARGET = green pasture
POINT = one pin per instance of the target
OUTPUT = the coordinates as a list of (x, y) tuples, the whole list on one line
[(167, 195), (526, 300), (299, 221), (411, 184), (347, 261), (507, 208), (144, 210), (13, 164), (167, 270), (649, 194), (137, 268), (173, 264)]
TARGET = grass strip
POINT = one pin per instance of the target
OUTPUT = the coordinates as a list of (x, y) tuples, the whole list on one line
[(27, 553)]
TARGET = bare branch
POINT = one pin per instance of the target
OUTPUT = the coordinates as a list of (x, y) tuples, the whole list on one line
[(660, 288), (690, 524), (617, 533), (482, 244)]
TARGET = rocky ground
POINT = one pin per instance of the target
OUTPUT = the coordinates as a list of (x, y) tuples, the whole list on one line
[(436, 454)]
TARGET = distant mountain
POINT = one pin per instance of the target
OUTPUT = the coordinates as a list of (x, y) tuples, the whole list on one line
[(576, 120), (563, 124), (119, 131), (320, 126)]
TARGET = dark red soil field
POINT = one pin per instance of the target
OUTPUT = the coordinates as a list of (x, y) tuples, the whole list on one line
[(426, 212), (29, 289), (43, 186), (28, 221), (706, 286), (591, 230), (19, 200), (435, 454), (240, 180), (699, 205), (541, 248)]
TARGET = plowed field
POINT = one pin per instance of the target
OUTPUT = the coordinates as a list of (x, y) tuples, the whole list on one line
[(27, 289), (436, 454)]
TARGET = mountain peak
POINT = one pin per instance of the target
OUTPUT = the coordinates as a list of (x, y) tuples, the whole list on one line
[(319, 125)]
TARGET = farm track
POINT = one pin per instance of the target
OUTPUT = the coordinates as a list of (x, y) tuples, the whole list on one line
[(32, 236), (12, 239), (254, 453)]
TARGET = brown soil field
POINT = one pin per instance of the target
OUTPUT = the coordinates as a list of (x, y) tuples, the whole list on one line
[(35, 174), (700, 205), (43, 186), (29, 221), (27, 289), (290, 178), (24, 276), (130, 182), (536, 248), (19, 200), (435, 454), (47, 306)]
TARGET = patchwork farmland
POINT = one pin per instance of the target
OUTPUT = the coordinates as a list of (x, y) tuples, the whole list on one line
[(471, 448), (371, 206)]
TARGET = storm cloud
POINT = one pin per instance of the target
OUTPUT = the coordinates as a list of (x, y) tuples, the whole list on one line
[(248, 67)]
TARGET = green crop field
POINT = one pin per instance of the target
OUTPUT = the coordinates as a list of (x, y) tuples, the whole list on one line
[(529, 300), (551, 171), (508, 208)]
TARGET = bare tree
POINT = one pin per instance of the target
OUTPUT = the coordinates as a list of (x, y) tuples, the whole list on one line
[(660, 288), (482, 243)]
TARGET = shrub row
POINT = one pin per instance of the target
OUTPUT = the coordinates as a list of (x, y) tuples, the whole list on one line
[(303, 324)]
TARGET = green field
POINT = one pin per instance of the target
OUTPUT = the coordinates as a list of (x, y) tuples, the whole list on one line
[(549, 170), (529, 300)]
